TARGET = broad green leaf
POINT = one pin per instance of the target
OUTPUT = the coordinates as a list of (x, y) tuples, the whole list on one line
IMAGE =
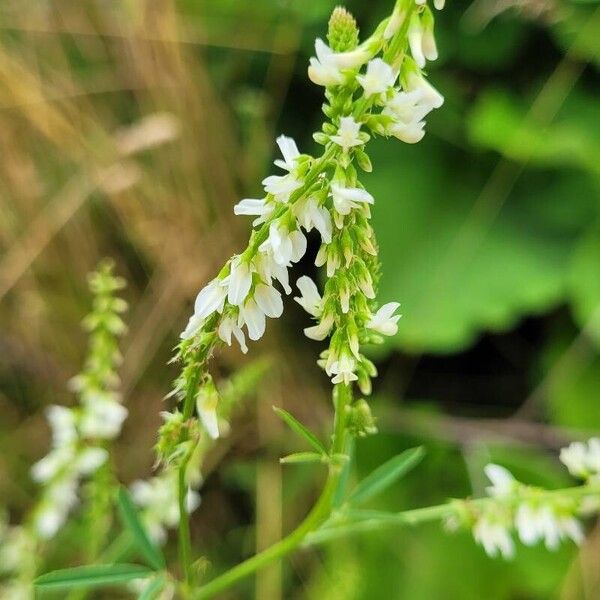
[(301, 457), (153, 589), (386, 475), (92, 576), (132, 521), (460, 263), (300, 429), (584, 283)]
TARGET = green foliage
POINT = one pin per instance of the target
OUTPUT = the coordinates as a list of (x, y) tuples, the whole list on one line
[(92, 576), (301, 430), (131, 520), (385, 475)]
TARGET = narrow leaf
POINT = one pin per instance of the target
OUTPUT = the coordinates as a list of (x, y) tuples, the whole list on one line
[(301, 457), (386, 475), (132, 521), (300, 429), (92, 576), (153, 589)]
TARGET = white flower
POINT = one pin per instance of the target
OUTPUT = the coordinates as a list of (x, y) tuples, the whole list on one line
[(206, 405), (269, 269), (439, 4), (345, 199), (193, 325), (286, 246), (494, 537), (379, 77), (321, 331), (415, 40), (90, 460), (407, 109), (239, 281), (503, 483), (251, 206), (49, 466), (254, 319), (310, 299), (268, 300), (342, 369), (311, 214), (326, 68), (229, 326), (384, 321), (542, 523), (102, 418), (210, 299), (582, 460), (158, 499), (49, 519), (347, 135), (290, 152), (281, 186), (430, 96), (62, 421)]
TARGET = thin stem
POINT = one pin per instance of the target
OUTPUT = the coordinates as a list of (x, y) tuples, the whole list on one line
[(367, 521), (319, 513)]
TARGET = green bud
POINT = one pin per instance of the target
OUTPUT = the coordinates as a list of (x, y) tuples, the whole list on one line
[(342, 34), (363, 160), (321, 138), (360, 420)]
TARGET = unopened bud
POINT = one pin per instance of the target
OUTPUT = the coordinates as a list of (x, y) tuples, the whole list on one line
[(343, 32)]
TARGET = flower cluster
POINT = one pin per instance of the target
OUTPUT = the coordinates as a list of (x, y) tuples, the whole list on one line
[(157, 498), (536, 515), (79, 434), (373, 88)]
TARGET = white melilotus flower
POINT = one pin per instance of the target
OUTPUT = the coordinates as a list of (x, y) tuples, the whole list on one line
[(494, 536), (421, 39), (310, 299), (281, 186), (582, 460), (311, 214), (286, 246), (90, 460), (158, 499), (268, 300), (348, 134), (228, 327), (408, 109), (254, 207), (503, 483), (62, 421), (345, 199), (378, 79), (326, 68), (384, 321), (254, 319), (430, 96), (543, 523), (289, 151), (211, 298), (395, 22), (322, 330), (341, 368), (238, 281), (102, 418), (206, 405)]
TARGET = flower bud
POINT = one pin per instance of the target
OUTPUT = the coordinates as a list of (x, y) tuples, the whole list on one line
[(360, 420), (343, 32)]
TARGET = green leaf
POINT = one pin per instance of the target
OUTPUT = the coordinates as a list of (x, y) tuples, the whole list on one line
[(385, 475), (301, 457), (153, 588), (300, 429), (92, 576), (132, 521)]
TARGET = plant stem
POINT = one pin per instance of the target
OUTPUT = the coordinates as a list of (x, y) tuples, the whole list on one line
[(320, 512), (376, 520)]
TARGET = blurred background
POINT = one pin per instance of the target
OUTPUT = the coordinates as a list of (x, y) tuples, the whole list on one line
[(129, 129)]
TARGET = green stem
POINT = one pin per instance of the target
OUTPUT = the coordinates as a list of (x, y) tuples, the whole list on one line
[(185, 541), (367, 521), (319, 513)]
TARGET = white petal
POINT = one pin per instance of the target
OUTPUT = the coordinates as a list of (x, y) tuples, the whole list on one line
[(268, 300)]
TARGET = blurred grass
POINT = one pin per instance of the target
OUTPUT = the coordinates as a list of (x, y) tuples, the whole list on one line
[(130, 129)]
